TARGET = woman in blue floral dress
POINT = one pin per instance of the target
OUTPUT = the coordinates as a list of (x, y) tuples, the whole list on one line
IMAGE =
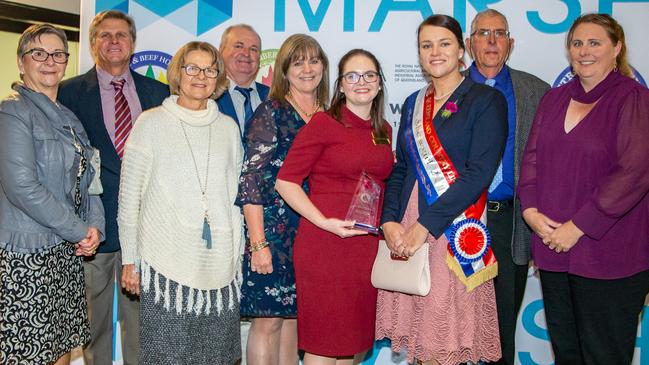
[(299, 89)]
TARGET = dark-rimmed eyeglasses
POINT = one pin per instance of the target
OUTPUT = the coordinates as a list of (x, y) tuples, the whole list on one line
[(41, 55), (355, 77), (193, 70), (486, 33)]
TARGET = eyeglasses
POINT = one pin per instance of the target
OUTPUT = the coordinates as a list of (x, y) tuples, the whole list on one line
[(354, 77), (486, 33), (193, 70), (41, 55)]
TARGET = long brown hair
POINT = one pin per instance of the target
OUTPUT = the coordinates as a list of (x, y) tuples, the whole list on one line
[(379, 131), (294, 48), (615, 34)]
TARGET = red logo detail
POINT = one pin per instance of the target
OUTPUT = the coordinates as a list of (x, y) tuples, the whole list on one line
[(268, 79)]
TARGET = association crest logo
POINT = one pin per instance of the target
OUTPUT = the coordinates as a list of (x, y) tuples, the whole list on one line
[(151, 64), (567, 75), (266, 64)]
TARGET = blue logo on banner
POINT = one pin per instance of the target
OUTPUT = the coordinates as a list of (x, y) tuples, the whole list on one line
[(195, 16), (152, 64), (567, 75)]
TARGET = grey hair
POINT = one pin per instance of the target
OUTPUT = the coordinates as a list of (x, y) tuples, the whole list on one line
[(228, 30), (111, 14), (34, 32), (488, 12)]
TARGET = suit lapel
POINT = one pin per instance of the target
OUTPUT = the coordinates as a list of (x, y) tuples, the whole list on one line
[(262, 90), (143, 93), (228, 106), (521, 111)]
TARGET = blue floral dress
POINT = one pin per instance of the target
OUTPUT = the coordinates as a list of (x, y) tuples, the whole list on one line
[(268, 137)]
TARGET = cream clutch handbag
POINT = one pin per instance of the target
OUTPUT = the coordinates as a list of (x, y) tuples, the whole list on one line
[(406, 275)]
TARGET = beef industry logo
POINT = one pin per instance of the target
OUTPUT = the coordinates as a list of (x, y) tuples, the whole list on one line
[(266, 64), (151, 64), (567, 75)]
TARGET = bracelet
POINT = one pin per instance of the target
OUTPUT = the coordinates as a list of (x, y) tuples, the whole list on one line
[(258, 245)]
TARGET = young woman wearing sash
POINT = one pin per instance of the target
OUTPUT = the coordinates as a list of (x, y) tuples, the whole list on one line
[(333, 261), (450, 142)]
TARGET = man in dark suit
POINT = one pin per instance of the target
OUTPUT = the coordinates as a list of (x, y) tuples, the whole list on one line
[(490, 45), (107, 100), (241, 50)]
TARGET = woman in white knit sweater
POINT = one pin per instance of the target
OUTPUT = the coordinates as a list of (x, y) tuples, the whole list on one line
[(178, 221)]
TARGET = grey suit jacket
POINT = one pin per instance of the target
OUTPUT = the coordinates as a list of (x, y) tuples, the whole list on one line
[(528, 90)]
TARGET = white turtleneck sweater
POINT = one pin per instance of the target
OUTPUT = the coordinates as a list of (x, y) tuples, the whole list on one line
[(160, 212)]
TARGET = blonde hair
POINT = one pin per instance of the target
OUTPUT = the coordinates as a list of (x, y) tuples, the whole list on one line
[(298, 47), (615, 34), (174, 71)]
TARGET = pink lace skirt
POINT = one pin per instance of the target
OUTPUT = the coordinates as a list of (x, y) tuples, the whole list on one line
[(448, 325)]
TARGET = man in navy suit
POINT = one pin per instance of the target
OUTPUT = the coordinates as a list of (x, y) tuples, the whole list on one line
[(241, 49), (93, 98)]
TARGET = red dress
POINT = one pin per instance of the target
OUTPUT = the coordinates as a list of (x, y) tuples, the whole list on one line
[(336, 302)]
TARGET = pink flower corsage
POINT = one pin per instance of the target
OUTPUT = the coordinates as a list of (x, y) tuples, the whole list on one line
[(449, 109)]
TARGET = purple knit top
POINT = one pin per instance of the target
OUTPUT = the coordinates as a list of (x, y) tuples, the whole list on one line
[(597, 175)]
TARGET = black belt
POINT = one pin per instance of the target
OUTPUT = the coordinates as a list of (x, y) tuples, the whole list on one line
[(498, 205)]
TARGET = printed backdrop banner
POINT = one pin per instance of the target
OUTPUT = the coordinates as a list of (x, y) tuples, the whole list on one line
[(388, 29)]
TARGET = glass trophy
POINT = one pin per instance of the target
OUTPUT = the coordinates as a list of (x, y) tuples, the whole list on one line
[(364, 207)]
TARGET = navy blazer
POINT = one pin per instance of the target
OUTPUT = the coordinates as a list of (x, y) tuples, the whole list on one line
[(226, 106), (81, 95), (474, 138)]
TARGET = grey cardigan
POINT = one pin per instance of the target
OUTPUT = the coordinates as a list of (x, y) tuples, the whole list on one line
[(38, 172)]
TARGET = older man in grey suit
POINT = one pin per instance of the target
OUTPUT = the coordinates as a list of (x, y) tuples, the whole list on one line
[(490, 45)]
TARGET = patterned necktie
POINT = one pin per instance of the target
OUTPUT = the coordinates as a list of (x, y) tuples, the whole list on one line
[(498, 178), (123, 123), (247, 105)]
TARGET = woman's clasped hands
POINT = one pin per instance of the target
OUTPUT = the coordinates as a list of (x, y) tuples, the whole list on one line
[(404, 241), (559, 237), (88, 245)]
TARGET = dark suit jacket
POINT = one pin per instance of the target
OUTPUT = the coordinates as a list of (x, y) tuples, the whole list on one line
[(226, 106), (81, 95), (474, 138)]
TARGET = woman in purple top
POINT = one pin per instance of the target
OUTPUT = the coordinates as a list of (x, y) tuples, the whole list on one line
[(583, 190)]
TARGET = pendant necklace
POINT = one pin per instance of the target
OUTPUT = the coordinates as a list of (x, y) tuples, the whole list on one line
[(438, 98), (207, 233), (299, 109)]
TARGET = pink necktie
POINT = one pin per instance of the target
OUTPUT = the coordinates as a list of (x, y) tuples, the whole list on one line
[(122, 117)]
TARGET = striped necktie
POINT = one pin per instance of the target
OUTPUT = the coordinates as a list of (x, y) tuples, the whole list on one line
[(123, 122)]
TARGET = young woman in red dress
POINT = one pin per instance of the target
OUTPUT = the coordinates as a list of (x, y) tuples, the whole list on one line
[(333, 261)]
